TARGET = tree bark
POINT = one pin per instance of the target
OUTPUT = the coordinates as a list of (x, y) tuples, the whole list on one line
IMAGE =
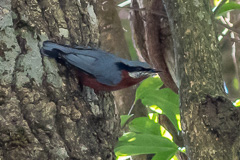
[(210, 122), (153, 42), (152, 37), (44, 113)]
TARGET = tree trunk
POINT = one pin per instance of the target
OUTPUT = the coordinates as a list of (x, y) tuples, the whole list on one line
[(44, 113), (152, 37), (210, 122), (153, 41)]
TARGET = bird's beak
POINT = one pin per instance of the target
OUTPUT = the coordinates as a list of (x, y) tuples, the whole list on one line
[(155, 71)]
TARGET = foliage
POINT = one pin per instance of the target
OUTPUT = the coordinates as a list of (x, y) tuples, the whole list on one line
[(124, 119), (146, 134), (145, 138), (227, 7), (237, 103), (165, 99)]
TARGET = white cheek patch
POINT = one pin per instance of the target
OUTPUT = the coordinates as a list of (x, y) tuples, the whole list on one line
[(133, 74), (139, 74)]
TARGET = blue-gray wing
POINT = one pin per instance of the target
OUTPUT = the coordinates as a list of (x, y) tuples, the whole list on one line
[(101, 66), (98, 63)]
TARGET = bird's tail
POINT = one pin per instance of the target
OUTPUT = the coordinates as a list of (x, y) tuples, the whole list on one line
[(54, 50)]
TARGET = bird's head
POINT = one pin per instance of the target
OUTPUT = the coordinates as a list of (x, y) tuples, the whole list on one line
[(137, 69), (141, 74)]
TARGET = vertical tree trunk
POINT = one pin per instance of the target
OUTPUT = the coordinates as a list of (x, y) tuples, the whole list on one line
[(153, 41), (152, 37), (44, 113), (210, 123)]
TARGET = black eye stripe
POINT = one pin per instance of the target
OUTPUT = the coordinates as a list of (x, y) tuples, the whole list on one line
[(122, 66)]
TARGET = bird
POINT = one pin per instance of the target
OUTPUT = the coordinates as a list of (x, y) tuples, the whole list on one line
[(98, 69)]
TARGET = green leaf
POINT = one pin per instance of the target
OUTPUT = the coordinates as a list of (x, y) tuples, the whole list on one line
[(226, 8), (144, 125), (149, 84), (237, 103), (164, 155), (124, 119), (165, 99), (135, 144), (126, 136)]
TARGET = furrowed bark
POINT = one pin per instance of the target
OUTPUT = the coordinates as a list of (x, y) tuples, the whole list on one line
[(44, 113), (210, 122)]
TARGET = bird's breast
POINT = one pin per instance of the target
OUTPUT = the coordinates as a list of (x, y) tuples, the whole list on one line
[(90, 81)]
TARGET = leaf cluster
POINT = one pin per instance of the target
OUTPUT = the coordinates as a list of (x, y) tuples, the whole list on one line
[(146, 135)]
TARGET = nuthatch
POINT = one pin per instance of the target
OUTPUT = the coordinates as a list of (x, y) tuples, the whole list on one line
[(98, 69)]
